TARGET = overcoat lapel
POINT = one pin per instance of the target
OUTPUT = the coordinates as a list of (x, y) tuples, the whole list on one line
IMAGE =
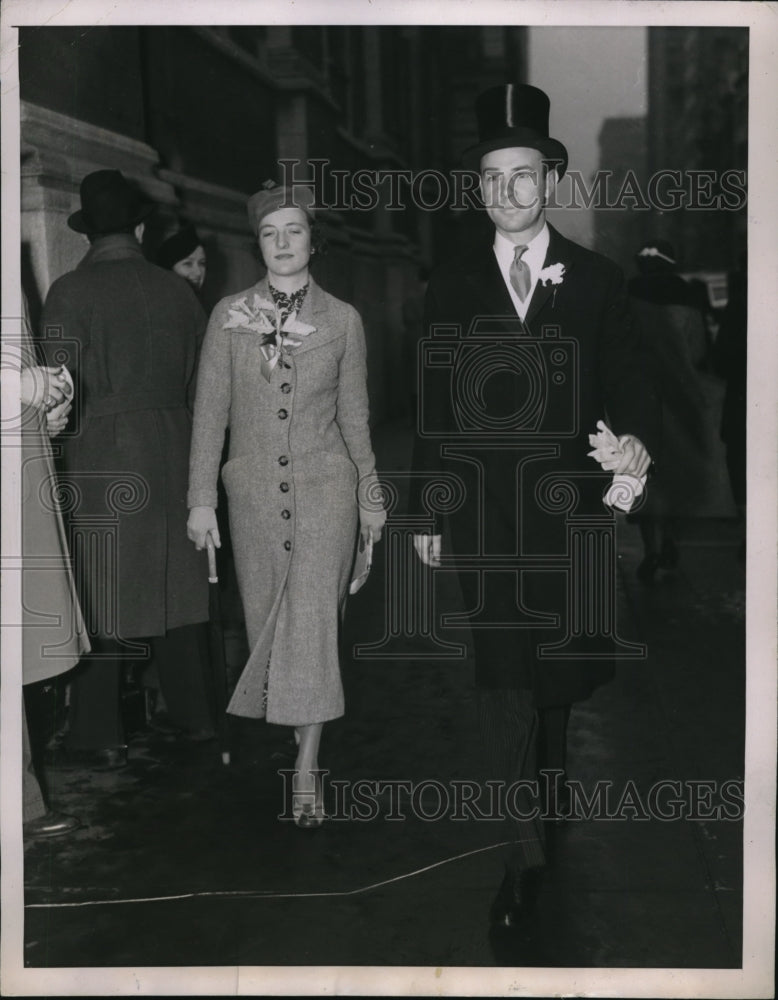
[(488, 289), (557, 253)]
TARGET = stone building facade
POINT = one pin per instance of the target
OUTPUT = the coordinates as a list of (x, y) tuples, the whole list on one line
[(200, 116)]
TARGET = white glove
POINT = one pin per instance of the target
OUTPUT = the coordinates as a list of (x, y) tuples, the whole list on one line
[(201, 523), (627, 458)]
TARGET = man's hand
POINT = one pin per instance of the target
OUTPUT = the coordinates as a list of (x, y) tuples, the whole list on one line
[(635, 460), (428, 549), (201, 523), (57, 418), (44, 387)]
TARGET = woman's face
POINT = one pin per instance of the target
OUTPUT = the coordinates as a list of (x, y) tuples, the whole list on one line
[(192, 267), (285, 241)]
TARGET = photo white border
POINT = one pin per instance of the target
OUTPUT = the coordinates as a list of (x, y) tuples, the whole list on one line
[(756, 977)]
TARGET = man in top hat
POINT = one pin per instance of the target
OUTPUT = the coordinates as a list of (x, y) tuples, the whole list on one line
[(128, 332), (531, 346)]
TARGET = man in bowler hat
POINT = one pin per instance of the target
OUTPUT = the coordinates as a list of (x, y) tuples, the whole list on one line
[(129, 332), (530, 345)]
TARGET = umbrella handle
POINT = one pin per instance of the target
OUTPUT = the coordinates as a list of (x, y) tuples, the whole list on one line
[(212, 574)]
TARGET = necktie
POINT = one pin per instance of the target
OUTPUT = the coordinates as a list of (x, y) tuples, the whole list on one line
[(519, 274)]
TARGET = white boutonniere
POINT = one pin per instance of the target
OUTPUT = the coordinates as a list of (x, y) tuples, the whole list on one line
[(262, 317), (554, 273)]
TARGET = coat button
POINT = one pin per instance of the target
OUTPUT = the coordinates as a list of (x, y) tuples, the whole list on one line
[(283, 460), (287, 545), (282, 414), (286, 387), (284, 487), (285, 514)]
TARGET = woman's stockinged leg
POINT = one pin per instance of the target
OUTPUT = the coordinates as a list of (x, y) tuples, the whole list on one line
[(308, 740), (308, 806)]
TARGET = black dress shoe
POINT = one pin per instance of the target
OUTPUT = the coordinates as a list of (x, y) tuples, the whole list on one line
[(198, 735), (52, 824), (104, 759), (160, 723), (516, 898)]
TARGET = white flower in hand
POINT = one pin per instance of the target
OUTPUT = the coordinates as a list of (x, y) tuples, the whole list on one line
[(607, 450)]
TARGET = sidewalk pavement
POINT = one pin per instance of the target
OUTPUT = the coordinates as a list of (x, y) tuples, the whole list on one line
[(253, 890)]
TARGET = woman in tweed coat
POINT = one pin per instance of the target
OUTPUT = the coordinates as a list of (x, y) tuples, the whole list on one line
[(283, 365)]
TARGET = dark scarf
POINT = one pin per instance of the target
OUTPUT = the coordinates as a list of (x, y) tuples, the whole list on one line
[(288, 304)]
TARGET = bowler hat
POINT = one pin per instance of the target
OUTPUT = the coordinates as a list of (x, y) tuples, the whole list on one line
[(108, 204), (178, 247), (273, 196), (514, 114)]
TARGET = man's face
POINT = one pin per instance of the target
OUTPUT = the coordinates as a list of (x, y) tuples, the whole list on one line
[(515, 188)]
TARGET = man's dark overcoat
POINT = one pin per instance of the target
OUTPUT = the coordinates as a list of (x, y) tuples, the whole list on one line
[(508, 412), (129, 333)]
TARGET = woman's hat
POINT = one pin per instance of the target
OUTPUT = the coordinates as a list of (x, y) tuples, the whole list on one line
[(178, 247), (272, 197), (108, 204), (655, 251), (514, 114)]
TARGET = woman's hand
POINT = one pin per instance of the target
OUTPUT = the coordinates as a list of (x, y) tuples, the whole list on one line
[(369, 535), (201, 523), (371, 524), (428, 549), (44, 387)]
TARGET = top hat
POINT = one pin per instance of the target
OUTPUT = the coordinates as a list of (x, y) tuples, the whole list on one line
[(108, 204), (272, 196), (514, 114), (178, 247)]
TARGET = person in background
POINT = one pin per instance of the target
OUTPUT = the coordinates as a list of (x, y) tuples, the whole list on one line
[(129, 332), (283, 364), (730, 362), (686, 483), (413, 327), (184, 253), (53, 635)]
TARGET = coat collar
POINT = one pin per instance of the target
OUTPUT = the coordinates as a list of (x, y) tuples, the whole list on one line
[(483, 277), (117, 246)]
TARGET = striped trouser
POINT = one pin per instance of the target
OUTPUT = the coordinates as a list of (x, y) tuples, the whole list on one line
[(508, 724)]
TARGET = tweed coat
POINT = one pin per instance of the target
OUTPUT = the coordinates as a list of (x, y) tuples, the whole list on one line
[(299, 447), (54, 636), (574, 361), (129, 331)]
